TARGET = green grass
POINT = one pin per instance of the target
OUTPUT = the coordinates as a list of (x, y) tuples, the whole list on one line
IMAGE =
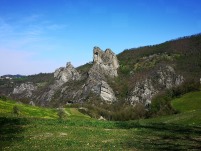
[(188, 102), (6, 108), (40, 129)]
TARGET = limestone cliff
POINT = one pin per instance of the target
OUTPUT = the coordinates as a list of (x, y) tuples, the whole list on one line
[(61, 75), (163, 78), (106, 61), (25, 90), (67, 73), (71, 86)]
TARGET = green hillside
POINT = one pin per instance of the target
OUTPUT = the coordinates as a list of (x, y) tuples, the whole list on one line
[(40, 129), (189, 108), (27, 111), (188, 102)]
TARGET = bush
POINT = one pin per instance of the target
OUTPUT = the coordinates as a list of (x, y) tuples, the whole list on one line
[(115, 112), (187, 86), (3, 98), (16, 110), (61, 113)]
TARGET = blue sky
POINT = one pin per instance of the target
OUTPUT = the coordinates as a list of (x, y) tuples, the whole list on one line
[(42, 35)]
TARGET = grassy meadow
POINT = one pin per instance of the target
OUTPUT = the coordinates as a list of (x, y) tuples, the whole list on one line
[(38, 128)]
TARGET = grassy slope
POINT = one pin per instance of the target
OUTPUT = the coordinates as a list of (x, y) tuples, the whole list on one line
[(189, 106), (188, 102), (26, 110), (6, 109), (79, 132)]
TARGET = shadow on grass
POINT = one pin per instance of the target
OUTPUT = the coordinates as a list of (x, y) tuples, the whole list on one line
[(11, 129), (160, 136)]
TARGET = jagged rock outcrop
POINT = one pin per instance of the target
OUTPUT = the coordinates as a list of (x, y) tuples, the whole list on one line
[(25, 90), (67, 73), (70, 85), (164, 78), (106, 61), (105, 64), (107, 93), (167, 77), (62, 75), (142, 92)]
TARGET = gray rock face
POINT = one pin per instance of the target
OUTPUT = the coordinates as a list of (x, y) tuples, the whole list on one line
[(97, 84), (168, 77), (106, 60), (25, 89), (105, 64), (69, 85), (47, 96), (62, 75), (144, 90), (67, 73), (107, 93)]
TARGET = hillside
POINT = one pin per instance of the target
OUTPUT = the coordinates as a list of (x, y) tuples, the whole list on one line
[(188, 102), (184, 52), (40, 128), (28, 111)]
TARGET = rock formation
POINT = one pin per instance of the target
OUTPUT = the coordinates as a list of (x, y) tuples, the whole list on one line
[(107, 93), (25, 90), (71, 86), (61, 75), (105, 64), (164, 78), (67, 73), (106, 61)]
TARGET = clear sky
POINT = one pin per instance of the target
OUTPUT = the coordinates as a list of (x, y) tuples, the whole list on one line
[(42, 35)]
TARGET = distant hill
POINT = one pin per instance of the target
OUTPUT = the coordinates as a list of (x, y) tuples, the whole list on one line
[(13, 76)]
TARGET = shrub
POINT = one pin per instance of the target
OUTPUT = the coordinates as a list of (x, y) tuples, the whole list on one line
[(3, 98), (61, 113), (161, 105), (16, 110)]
